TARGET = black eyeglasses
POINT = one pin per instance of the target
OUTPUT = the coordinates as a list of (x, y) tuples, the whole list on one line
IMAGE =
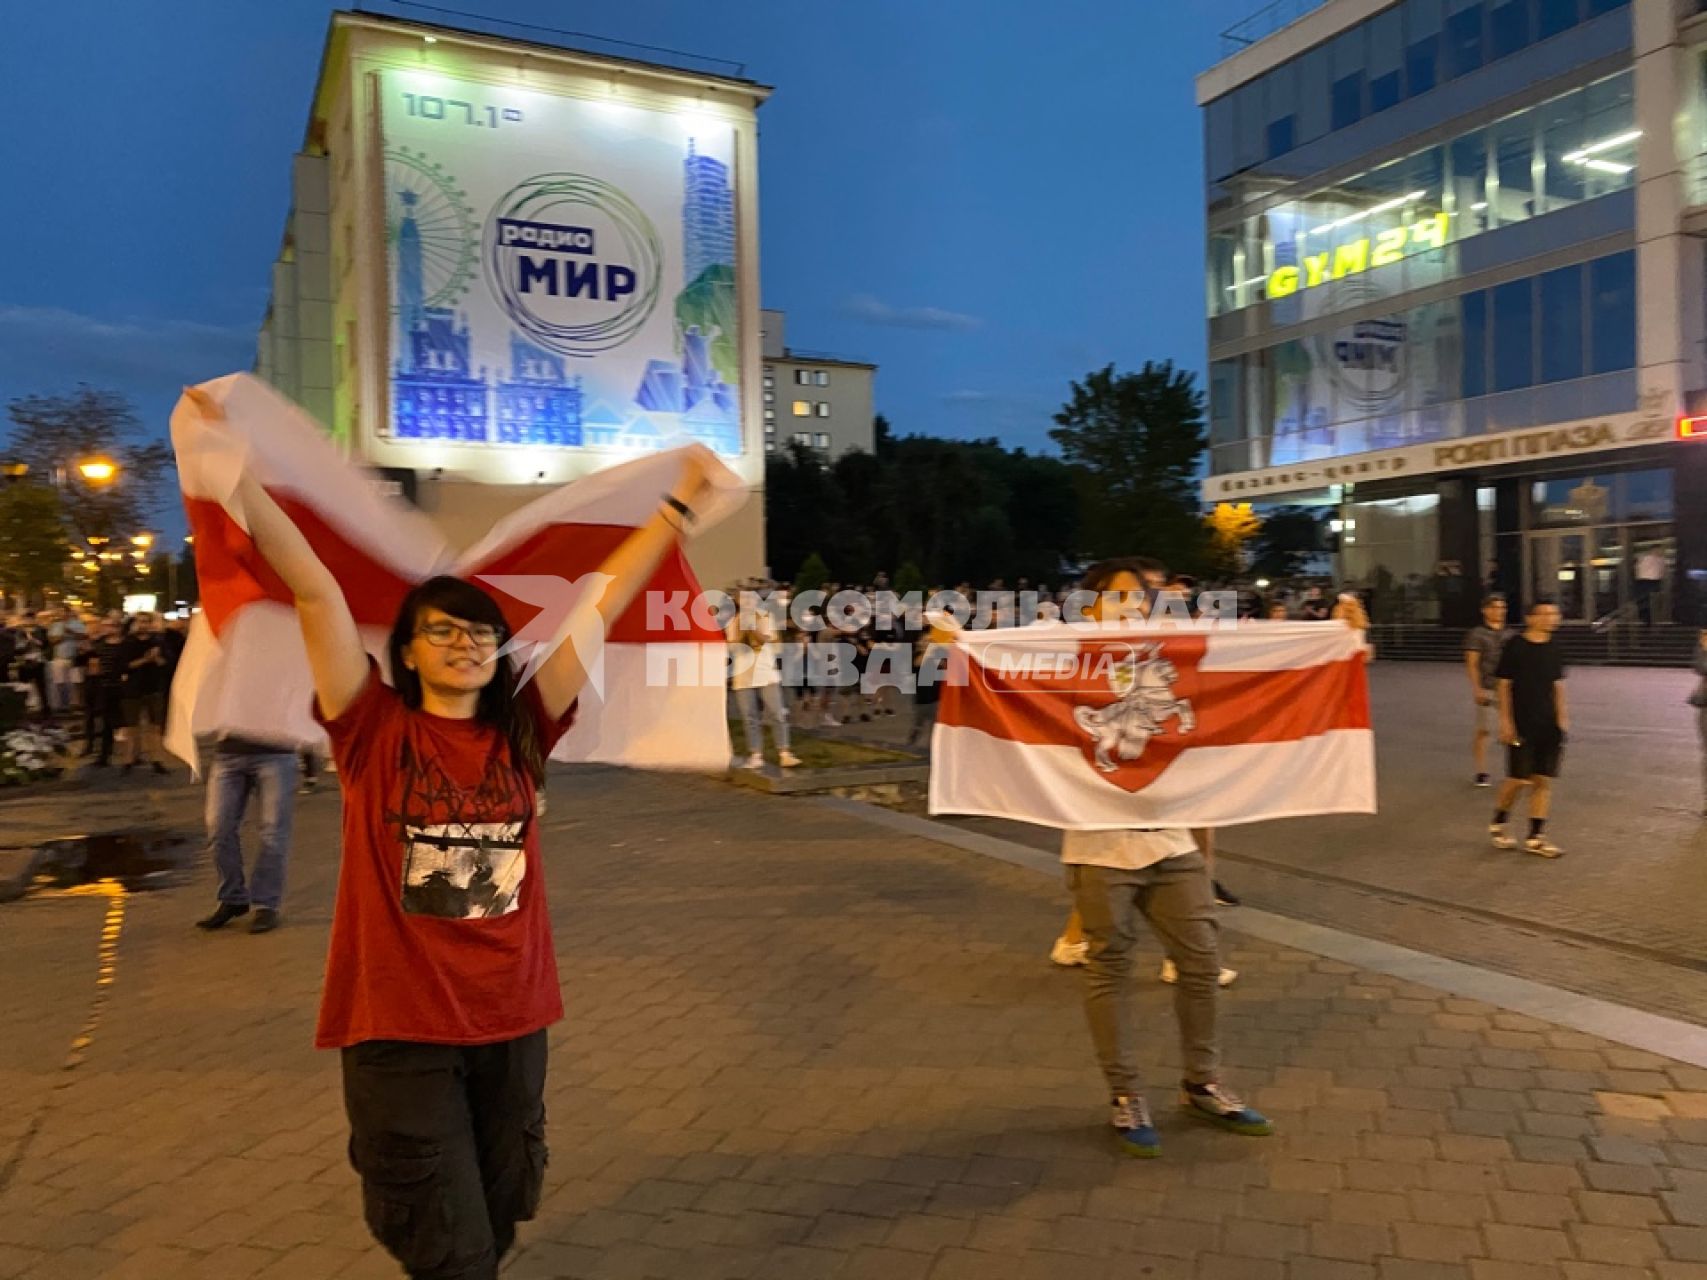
[(442, 635)]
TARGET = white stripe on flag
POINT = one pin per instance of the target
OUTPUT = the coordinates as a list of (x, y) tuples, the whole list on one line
[(973, 772)]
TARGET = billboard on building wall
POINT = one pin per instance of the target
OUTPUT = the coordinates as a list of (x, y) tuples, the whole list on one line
[(561, 270)]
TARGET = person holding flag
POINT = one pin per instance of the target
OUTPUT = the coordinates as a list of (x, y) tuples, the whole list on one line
[(1159, 875), (440, 976)]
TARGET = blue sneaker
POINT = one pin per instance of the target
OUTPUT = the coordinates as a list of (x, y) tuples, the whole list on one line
[(1213, 1103), (1132, 1125)]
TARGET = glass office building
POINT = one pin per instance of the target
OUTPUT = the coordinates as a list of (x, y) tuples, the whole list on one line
[(1455, 290)]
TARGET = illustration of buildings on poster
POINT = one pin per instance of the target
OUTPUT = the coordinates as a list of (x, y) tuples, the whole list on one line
[(530, 346)]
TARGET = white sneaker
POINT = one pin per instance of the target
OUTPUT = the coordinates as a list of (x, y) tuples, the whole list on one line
[(1067, 954), (1541, 846), (1501, 839), (1170, 975), (830, 722), (787, 759), (754, 761)]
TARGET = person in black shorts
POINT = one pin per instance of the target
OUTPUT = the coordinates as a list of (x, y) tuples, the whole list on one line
[(1533, 724)]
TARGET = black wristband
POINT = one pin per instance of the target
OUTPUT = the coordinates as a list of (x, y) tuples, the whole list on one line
[(682, 507)]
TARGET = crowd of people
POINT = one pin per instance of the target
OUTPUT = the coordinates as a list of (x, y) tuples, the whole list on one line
[(112, 672), (788, 662)]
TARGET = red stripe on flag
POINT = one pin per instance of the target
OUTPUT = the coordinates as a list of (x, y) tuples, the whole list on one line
[(231, 573), (569, 550)]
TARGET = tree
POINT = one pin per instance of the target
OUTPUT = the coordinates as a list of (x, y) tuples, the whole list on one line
[(882, 437), (53, 434), (1231, 526), (189, 589), (1134, 440), (1289, 539), (33, 542), (958, 510), (801, 498), (812, 574), (907, 579)]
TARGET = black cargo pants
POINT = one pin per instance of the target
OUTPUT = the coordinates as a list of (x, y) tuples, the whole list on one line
[(449, 1141)]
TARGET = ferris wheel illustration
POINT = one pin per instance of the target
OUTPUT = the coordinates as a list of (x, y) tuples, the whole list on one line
[(429, 231)]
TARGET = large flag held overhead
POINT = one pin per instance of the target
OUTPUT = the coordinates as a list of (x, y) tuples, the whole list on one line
[(244, 670), (1187, 724)]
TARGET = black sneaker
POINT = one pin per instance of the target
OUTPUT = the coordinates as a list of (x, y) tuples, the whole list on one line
[(265, 921), (222, 915), (1482, 780), (1225, 896)]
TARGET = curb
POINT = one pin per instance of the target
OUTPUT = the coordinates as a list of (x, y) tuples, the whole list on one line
[(18, 865), (1669, 1037), (776, 781)]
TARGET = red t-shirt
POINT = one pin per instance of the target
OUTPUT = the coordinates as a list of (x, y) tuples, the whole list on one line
[(440, 932)]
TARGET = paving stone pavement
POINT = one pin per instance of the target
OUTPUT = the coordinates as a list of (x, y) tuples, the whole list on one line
[(1622, 916), (800, 1045)]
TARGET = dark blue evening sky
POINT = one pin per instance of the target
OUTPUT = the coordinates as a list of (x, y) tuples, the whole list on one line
[(986, 197)]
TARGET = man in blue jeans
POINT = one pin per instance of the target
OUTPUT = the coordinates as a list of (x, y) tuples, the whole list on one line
[(240, 766)]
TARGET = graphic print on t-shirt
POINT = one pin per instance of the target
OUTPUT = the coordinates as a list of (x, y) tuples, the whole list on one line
[(463, 852)]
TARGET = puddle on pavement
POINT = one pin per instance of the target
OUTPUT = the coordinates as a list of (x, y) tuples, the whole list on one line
[(146, 859)]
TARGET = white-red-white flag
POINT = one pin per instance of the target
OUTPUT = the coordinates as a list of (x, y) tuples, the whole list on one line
[(1187, 724), (244, 670)]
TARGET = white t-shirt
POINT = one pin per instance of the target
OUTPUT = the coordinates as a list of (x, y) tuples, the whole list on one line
[(1128, 849), (751, 668)]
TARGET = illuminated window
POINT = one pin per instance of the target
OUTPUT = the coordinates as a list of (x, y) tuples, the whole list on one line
[(822, 408), (803, 408)]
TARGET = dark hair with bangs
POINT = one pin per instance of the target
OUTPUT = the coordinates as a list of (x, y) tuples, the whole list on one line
[(498, 700), (1103, 572)]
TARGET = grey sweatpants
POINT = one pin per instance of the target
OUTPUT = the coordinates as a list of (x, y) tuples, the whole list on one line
[(1176, 898)]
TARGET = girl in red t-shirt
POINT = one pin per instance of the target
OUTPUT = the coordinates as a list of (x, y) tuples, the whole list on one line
[(440, 977)]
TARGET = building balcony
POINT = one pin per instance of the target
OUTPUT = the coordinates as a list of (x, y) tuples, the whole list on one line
[(1266, 21)]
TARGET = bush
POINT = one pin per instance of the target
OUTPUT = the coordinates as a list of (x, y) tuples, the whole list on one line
[(812, 574), (908, 578)]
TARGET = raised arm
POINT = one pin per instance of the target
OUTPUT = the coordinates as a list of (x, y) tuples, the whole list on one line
[(335, 653), (627, 570)]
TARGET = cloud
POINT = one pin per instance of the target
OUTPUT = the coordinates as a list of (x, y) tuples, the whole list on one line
[(863, 306), (47, 349)]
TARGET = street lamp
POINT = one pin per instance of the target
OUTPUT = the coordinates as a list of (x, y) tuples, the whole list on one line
[(98, 470)]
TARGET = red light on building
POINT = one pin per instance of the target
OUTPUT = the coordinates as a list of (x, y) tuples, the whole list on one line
[(1692, 428)]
